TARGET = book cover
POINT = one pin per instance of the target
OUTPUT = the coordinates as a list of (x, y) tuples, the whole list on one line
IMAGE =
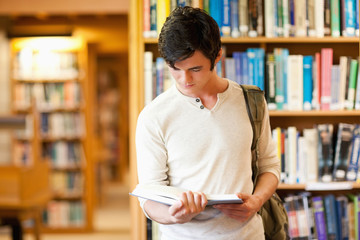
[(350, 101), (243, 18), (270, 26), (295, 85), (335, 17), (290, 208), (342, 150), (319, 17), (357, 94), (234, 18), (319, 216), (162, 11), (300, 18), (331, 216), (216, 11), (311, 18), (335, 86), (253, 18), (353, 166), (343, 219), (307, 82), (270, 84), (350, 18), (311, 142), (169, 195), (327, 18), (326, 64), (226, 19), (325, 152)]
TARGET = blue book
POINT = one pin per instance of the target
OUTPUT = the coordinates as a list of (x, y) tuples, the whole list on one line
[(153, 18), (331, 217), (285, 55), (279, 87), (234, 18), (244, 70), (237, 58), (225, 19), (319, 217), (251, 73), (181, 3), (260, 58), (342, 217), (308, 81), (292, 18), (357, 18), (353, 167), (216, 11), (350, 19)]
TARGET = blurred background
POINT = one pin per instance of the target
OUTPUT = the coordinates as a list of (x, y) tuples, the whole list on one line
[(64, 125)]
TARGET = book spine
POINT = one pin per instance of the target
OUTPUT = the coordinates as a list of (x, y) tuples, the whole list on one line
[(349, 103), (357, 98), (335, 86), (319, 215), (270, 82), (342, 150), (325, 152), (311, 17), (327, 18), (216, 11), (279, 79), (253, 18), (308, 82), (226, 21), (243, 18), (319, 18), (234, 9), (269, 19), (353, 166), (153, 18), (326, 63), (335, 18)]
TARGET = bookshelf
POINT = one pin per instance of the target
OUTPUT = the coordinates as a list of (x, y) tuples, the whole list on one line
[(348, 46), (51, 72)]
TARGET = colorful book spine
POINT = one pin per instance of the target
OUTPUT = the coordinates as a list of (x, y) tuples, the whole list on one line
[(353, 166), (270, 81), (326, 64), (342, 150), (234, 16), (330, 216), (350, 18), (226, 19), (243, 18), (325, 152), (308, 82), (350, 101), (335, 18), (319, 216), (216, 11), (153, 18)]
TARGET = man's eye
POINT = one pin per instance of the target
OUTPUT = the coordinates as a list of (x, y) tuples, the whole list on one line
[(196, 70)]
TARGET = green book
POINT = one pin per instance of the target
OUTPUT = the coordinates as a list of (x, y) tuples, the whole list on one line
[(335, 18), (355, 200), (350, 101)]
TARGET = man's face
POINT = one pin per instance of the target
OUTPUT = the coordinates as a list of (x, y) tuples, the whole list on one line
[(193, 74)]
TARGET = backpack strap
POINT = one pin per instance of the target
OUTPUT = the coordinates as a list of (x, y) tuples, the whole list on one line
[(255, 106)]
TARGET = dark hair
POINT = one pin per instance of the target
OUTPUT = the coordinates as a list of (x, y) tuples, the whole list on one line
[(186, 30)]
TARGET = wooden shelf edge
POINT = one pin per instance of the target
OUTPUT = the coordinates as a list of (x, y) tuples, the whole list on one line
[(290, 40), (314, 113)]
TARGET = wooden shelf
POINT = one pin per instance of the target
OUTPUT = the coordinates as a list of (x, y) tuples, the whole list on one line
[(314, 113), (229, 40)]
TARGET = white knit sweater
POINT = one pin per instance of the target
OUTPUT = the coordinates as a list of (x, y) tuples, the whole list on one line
[(182, 144)]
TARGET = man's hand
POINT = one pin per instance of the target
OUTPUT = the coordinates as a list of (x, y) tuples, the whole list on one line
[(243, 211), (190, 205)]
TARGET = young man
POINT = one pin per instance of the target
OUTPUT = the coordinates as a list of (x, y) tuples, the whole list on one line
[(197, 136)]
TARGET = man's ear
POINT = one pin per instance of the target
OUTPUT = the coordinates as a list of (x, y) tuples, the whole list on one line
[(218, 57)]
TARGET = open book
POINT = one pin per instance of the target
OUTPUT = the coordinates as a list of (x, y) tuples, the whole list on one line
[(169, 195)]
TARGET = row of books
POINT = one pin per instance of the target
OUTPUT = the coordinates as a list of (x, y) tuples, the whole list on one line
[(61, 214), (67, 184), (272, 18), (290, 82), (319, 154), (44, 64), (22, 154), (157, 77), (323, 217), (297, 82), (48, 96), (64, 154), (62, 125)]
